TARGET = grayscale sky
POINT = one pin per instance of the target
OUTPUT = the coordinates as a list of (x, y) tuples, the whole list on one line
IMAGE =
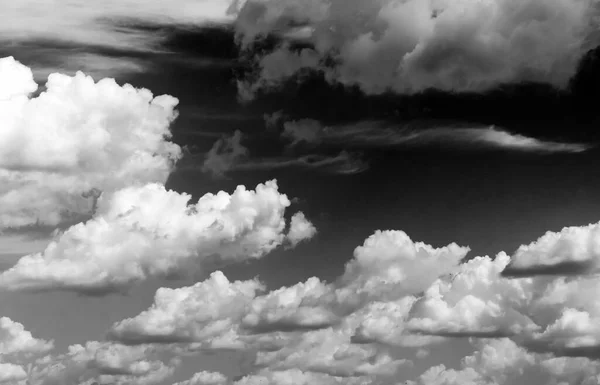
[(278, 192)]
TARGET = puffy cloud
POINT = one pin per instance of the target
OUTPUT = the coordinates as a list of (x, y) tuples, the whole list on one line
[(301, 306), (331, 351), (60, 149), (380, 134), (11, 373), (412, 45), (494, 363), (300, 229), (502, 361), (205, 378), (145, 231), (389, 265), (14, 339), (103, 363), (386, 323), (572, 251), (475, 300), (197, 313), (297, 377), (17, 343)]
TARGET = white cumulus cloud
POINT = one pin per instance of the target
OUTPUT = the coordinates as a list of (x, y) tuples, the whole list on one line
[(144, 231), (60, 149)]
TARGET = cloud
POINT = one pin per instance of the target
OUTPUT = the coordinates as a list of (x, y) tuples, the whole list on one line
[(60, 149), (495, 362), (394, 293), (11, 373), (474, 301), (224, 154), (205, 378), (300, 229), (297, 377), (145, 231), (303, 306), (389, 265), (331, 351), (380, 134), (412, 45), (503, 362), (104, 363), (17, 343), (105, 24), (572, 251), (228, 155), (217, 313), (14, 339), (198, 313)]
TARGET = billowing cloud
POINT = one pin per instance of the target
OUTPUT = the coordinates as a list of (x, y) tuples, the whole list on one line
[(218, 313), (228, 154), (306, 305), (394, 294), (389, 265), (198, 313), (11, 373), (205, 378), (144, 231), (17, 343), (475, 300), (503, 362), (331, 351), (412, 45), (104, 363), (380, 134), (59, 150), (572, 251), (14, 339)]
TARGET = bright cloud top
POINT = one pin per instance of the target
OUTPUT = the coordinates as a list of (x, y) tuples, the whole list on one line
[(574, 250), (145, 231), (394, 292), (410, 45), (345, 332), (387, 267), (78, 138), (16, 342)]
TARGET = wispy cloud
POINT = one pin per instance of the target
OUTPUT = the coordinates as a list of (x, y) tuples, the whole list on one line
[(229, 154), (378, 134)]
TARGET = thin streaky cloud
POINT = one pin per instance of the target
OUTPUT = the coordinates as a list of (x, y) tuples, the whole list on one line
[(103, 23), (378, 134), (229, 154)]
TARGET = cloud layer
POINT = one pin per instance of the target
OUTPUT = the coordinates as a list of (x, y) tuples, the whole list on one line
[(412, 45), (394, 293)]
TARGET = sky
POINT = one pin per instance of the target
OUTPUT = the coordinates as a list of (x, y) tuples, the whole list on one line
[(278, 192)]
